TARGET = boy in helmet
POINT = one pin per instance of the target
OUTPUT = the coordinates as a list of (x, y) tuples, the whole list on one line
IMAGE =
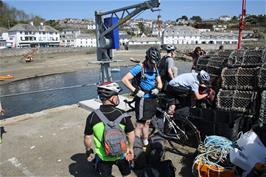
[(108, 94), (168, 70), (190, 83), (145, 90)]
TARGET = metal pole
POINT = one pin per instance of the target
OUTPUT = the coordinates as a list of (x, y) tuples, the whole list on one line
[(241, 23)]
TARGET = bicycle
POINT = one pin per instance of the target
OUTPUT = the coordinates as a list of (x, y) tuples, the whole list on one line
[(181, 134)]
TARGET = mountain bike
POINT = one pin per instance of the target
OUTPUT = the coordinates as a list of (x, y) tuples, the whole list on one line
[(181, 134)]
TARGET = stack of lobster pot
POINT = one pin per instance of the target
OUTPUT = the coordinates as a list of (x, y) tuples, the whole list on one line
[(243, 81), (213, 64)]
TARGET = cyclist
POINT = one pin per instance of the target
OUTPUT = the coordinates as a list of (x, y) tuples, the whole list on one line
[(108, 94), (167, 67), (148, 85), (188, 83)]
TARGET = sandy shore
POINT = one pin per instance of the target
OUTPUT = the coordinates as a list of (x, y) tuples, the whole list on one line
[(59, 63)]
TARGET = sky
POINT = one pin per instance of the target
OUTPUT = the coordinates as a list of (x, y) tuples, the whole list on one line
[(170, 9)]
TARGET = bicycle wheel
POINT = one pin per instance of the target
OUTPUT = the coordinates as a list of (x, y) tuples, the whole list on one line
[(186, 137)]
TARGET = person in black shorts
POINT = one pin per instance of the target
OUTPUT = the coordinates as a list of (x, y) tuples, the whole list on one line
[(108, 94), (145, 90)]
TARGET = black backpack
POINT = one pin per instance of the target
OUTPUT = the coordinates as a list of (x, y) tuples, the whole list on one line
[(163, 68), (140, 76)]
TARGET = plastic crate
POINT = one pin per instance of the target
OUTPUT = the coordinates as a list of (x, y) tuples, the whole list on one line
[(253, 58), (240, 78), (234, 100), (262, 77), (262, 115)]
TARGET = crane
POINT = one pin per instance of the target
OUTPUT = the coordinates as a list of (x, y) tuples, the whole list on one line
[(107, 32)]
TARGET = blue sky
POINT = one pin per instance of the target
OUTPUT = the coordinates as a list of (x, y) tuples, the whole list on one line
[(170, 9)]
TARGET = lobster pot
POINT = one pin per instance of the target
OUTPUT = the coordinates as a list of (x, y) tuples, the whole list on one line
[(202, 62), (228, 78), (262, 77), (234, 100), (240, 78), (225, 53), (253, 58), (215, 66), (262, 115), (236, 58), (218, 122)]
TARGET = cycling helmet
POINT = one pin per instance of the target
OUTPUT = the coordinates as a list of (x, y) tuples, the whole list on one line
[(169, 48), (204, 77), (107, 89), (153, 54)]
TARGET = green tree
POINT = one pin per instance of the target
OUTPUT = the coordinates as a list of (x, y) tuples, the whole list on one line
[(141, 27), (184, 17), (197, 19)]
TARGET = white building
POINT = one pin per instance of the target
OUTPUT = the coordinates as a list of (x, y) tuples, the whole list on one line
[(91, 25), (225, 18), (181, 35), (85, 40), (74, 38), (218, 38), (28, 35), (182, 21), (219, 27), (190, 35), (3, 38), (123, 38), (144, 41), (68, 37)]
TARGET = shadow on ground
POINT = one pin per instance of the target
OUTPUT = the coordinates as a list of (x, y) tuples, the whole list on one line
[(186, 169), (81, 167)]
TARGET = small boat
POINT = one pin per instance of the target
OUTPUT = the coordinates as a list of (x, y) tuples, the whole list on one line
[(4, 77), (115, 69)]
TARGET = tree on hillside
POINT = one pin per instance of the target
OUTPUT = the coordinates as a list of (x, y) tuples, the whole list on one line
[(196, 19), (141, 27), (184, 17), (37, 20)]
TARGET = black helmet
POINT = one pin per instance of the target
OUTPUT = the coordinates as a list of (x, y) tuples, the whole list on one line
[(107, 89), (169, 48), (153, 54)]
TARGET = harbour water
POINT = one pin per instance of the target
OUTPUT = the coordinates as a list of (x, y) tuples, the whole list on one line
[(36, 94)]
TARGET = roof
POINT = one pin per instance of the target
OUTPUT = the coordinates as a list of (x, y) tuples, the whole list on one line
[(181, 30), (86, 35), (23, 27), (145, 39), (28, 27)]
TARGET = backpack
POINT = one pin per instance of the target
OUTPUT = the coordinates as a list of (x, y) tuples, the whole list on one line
[(163, 67), (114, 138), (164, 72), (141, 76)]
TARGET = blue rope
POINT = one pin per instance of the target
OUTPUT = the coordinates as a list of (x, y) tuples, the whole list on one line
[(214, 144)]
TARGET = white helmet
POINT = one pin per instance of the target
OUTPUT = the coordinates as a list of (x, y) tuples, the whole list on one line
[(107, 89), (169, 47), (204, 77)]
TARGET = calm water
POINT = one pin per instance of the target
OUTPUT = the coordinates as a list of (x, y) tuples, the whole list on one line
[(36, 94)]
